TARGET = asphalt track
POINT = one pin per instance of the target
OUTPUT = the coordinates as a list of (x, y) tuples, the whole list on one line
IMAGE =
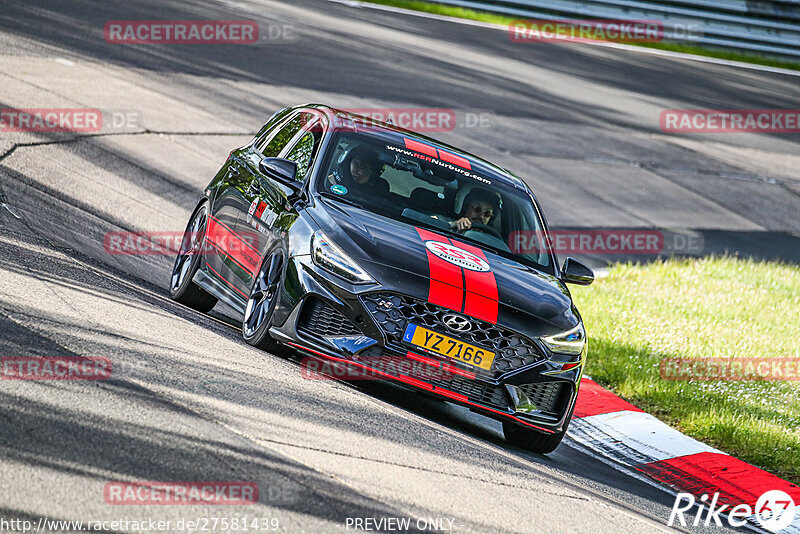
[(188, 400)]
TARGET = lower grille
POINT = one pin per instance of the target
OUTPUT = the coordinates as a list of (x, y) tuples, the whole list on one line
[(318, 318), (549, 397), (476, 391), (394, 312)]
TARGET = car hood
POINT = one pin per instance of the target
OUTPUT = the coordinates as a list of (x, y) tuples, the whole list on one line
[(395, 254)]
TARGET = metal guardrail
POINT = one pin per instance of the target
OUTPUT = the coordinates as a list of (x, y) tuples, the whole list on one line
[(771, 27), (788, 10)]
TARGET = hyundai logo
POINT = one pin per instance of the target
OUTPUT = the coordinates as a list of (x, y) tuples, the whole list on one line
[(457, 323)]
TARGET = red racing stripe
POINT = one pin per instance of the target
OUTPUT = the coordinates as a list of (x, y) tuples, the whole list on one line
[(455, 160), (481, 289), (225, 280), (423, 359), (226, 254), (414, 382), (446, 281), (233, 246), (479, 306), (457, 371), (444, 366), (446, 295), (710, 472), (451, 394), (237, 236), (420, 147)]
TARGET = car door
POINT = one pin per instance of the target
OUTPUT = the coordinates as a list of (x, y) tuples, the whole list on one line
[(263, 201), (227, 253), (303, 150)]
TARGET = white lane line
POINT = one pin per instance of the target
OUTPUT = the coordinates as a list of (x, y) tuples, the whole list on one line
[(618, 46)]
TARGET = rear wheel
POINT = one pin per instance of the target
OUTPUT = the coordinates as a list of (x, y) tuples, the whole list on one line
[(181, 287), (261, 304)]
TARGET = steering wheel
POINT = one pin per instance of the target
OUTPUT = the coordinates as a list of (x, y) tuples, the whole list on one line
[(486, 229)]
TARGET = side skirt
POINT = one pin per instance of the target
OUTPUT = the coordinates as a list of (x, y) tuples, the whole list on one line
[(216, 288)]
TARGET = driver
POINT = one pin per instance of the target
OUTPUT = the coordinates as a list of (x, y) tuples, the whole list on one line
[(479, 207), (358, 167)]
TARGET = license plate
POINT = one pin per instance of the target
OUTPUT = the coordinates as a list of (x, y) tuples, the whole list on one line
[(448, 346)]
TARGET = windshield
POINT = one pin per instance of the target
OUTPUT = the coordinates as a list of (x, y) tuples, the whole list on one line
[(418, 184)]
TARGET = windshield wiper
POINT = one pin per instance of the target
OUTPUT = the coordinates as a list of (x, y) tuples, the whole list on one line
[(481, 244), (341, 199)]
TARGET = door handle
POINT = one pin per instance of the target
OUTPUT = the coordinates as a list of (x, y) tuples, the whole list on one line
[(255, 187)]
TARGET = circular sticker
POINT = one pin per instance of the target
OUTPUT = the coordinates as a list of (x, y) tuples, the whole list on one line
[(339, 189), (458, 256)]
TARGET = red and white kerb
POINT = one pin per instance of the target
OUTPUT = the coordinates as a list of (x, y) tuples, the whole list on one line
[(619, 430)]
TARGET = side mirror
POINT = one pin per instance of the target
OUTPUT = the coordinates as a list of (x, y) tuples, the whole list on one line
[(283, 171), (574, 272)]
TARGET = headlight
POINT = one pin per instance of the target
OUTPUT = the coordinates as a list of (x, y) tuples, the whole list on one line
[(330, 257), (569, 342)]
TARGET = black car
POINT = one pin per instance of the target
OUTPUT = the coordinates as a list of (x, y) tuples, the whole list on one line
[(393, 254)]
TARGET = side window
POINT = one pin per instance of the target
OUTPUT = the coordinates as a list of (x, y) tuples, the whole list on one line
[(276, 119), (272, 147), (303, 152)]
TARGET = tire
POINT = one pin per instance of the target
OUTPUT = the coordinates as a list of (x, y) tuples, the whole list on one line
[(261, 303), (188, 260), (539, 442)]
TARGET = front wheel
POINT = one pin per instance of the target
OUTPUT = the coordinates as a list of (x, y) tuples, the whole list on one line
[(261, 303), (181, 287)]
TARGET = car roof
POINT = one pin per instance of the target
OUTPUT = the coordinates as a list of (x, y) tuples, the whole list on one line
[(345, 120)]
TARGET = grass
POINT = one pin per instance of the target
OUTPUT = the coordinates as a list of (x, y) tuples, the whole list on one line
[(450, 11), (713, 307), (494, 18)]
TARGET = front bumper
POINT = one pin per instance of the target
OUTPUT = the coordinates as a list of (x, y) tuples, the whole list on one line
[(338, 322)]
